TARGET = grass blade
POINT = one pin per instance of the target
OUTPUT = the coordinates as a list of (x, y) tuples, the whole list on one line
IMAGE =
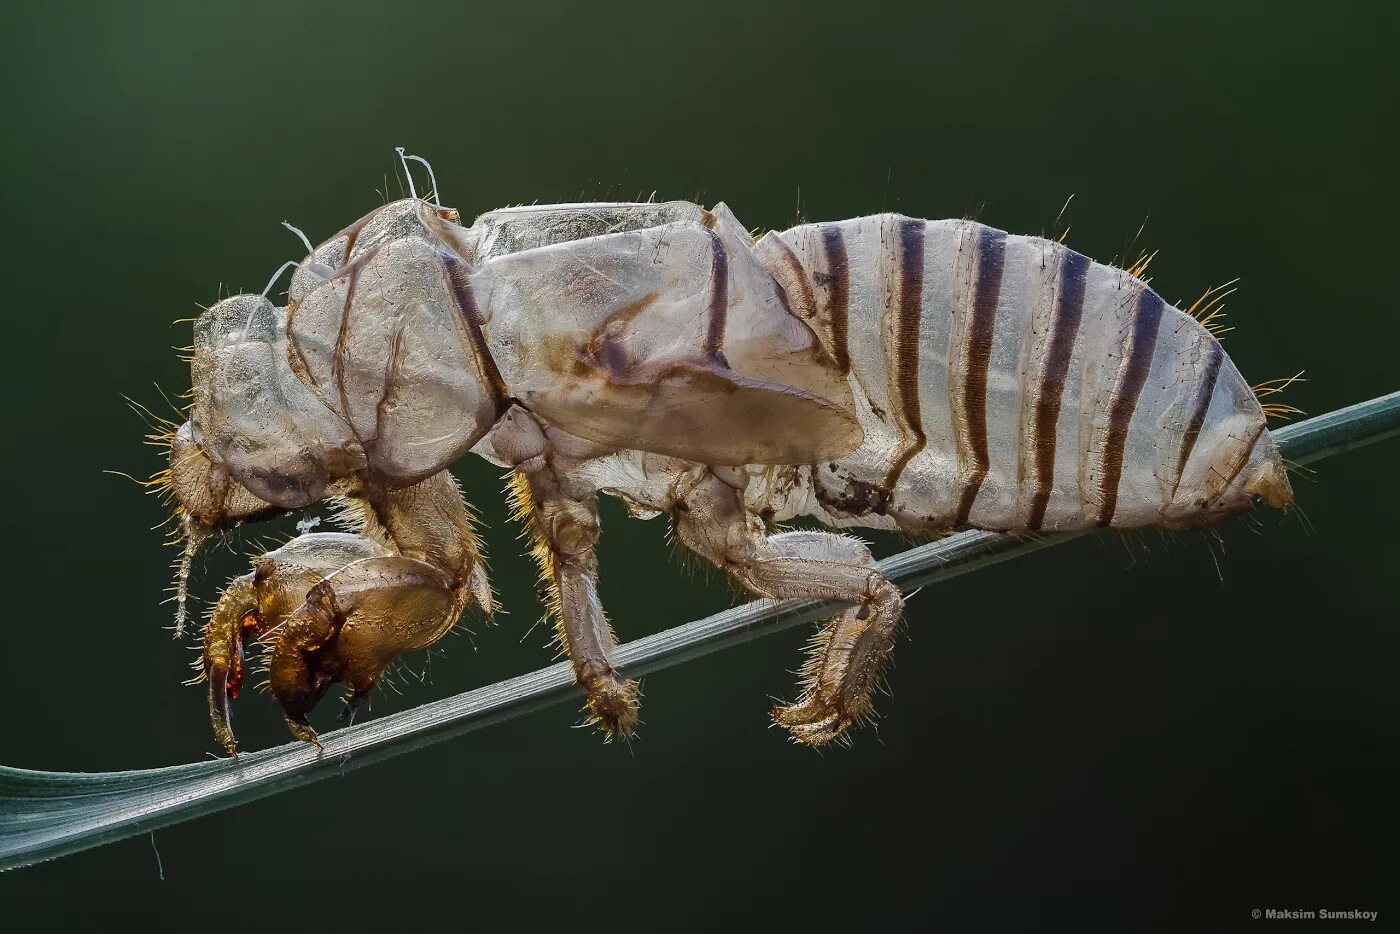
[(44, 815)]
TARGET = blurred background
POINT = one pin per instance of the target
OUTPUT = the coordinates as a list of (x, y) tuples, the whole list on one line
[(1119, 733)]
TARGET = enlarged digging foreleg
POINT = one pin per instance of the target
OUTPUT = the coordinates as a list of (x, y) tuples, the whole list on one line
[(351, 627), (254, 607), (336, 607)]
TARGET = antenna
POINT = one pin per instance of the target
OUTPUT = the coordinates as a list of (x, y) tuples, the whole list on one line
[(403, 158), (289, 264), (310, 250)]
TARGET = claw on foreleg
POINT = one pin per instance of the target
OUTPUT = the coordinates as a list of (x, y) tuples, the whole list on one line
[(301, 729), (235, 622), (301, 668)]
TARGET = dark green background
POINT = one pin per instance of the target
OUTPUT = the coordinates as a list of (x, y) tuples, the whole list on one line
[(1105, 735)]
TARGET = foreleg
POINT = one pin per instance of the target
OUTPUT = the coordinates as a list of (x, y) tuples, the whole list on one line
[(340, 607), (256, 605), (351, 627)]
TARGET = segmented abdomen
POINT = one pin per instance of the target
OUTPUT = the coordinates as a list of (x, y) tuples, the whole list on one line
[(1007, 382)]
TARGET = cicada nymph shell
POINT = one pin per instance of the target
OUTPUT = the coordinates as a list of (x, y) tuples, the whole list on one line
[(885, 372)]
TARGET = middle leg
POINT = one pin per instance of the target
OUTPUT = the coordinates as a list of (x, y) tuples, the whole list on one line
[(562, 513)]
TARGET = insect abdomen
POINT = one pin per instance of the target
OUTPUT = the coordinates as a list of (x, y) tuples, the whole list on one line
[(1010, 383)]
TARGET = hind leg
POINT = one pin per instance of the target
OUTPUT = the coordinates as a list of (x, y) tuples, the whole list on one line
[(849, 654)]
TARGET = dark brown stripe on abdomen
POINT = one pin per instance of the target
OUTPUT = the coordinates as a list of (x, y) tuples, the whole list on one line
[(1064, 330), (1240, 461), (838, 294), (1215, 355), (804, 303), (971, 420), (1132, 378), (906, 345)]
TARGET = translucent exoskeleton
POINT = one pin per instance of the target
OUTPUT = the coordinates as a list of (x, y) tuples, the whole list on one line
[(885, 372)]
